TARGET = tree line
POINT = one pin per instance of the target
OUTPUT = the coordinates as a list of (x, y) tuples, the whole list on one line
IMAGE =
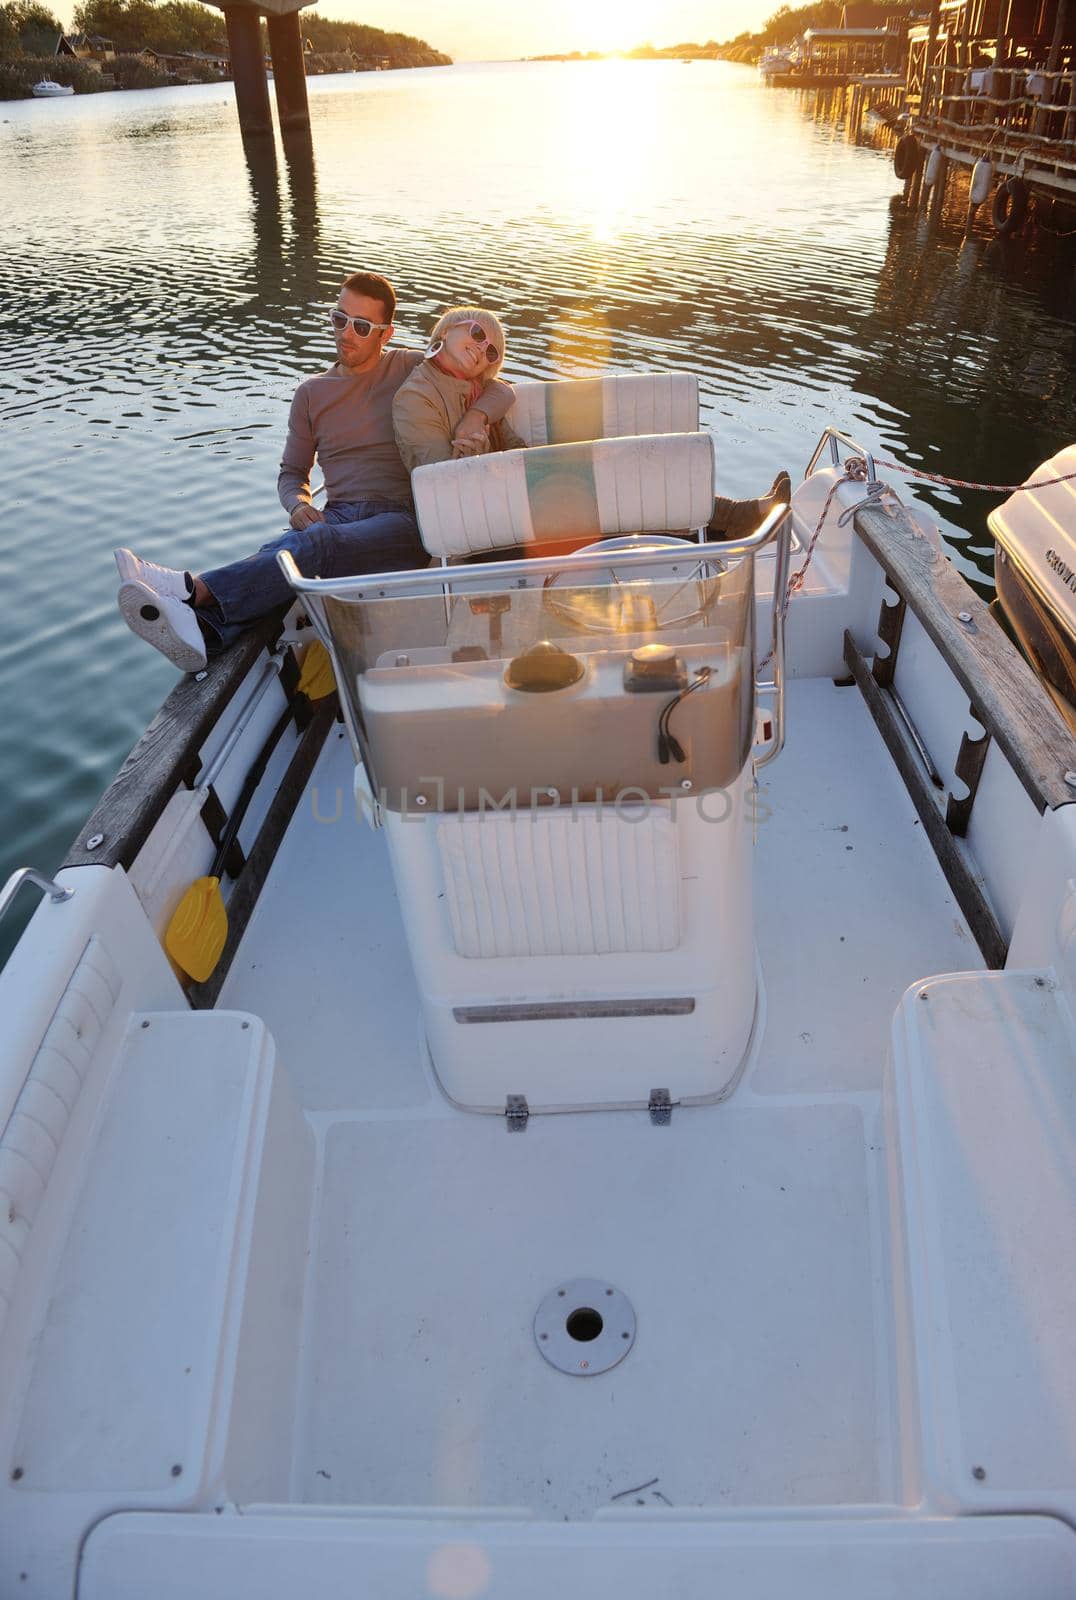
[(28, 29)]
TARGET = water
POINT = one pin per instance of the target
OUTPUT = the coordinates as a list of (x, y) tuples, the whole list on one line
[(161, 292)]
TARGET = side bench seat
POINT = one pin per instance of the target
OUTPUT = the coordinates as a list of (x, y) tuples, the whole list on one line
[(129, 1379), (276, 1554), (981, 1131)]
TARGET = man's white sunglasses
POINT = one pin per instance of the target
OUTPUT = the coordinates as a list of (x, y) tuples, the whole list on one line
[(362, 325)]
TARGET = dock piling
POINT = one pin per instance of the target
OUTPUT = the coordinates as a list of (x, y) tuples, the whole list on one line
[(289, 72), (243, 21), (248, 70)]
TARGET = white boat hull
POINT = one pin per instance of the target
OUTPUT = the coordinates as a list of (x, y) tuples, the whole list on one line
[(268, 1297)]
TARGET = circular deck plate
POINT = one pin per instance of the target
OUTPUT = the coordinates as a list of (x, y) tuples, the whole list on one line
[(584, 1327)]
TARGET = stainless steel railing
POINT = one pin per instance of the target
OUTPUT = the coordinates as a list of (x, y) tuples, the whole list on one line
[(11, 888), (834, 438), (777, 526)]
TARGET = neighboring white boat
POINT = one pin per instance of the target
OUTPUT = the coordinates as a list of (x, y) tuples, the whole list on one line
[(626, 1144), (48, 90), (1035, 569), (777, 61)]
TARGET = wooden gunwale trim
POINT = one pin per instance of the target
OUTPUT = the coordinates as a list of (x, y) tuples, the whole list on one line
[(166, 755), (251, 880), (953, 857), (1011, 704)]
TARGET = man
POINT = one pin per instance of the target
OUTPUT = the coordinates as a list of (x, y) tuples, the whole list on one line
[(344, 418)]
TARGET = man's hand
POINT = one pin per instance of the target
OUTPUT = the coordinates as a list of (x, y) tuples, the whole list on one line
[(471, 437), (304, 516)]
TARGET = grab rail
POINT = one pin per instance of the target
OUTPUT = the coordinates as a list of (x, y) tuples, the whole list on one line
[(11, 888), (781, 516), (375, 584), (777, 525), (834, 437)]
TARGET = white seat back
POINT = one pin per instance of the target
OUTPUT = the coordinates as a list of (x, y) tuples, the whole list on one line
[(566, 492), (571, 410)]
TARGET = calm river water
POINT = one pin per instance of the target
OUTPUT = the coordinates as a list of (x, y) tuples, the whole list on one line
[(161, 293)]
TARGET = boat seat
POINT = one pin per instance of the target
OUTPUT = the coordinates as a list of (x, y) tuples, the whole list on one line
[(569, 410), (563, 493), (981, 1128), (133, 1366), (277, 1554)]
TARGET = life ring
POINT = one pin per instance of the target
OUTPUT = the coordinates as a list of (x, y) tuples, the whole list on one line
[(1010, 205), (906, 156)]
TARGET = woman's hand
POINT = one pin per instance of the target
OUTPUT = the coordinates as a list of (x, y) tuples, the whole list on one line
[(471, 437)]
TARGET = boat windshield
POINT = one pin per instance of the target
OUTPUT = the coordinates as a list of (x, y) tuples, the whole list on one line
[(549, 688)]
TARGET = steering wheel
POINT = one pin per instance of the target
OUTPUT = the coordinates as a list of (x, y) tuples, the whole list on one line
[(642, 600)]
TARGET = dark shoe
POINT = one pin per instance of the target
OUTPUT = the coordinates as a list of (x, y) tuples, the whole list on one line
[(736, 519)]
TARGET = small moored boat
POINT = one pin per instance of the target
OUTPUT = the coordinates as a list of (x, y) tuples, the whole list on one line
[(46, 89)]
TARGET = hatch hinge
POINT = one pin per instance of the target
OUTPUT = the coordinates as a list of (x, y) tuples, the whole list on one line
[(516, 1111), (660, 1107)]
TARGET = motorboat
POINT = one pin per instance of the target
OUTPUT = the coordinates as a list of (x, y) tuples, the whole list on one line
[(622, 1139), (778, 61), (48, 90), (1035, 571)]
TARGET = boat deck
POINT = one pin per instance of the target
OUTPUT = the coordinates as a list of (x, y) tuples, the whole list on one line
[(749, 1237)]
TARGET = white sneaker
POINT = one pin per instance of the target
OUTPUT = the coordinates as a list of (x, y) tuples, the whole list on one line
[(168, 624), (166, 580)]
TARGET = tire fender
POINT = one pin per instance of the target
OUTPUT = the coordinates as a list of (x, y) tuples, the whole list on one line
[(1010, 205), (906, 156)]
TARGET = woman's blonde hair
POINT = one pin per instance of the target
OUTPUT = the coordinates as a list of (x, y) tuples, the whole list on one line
[(489, 320)]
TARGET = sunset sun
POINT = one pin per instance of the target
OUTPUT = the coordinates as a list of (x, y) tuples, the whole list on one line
[(615, 25)]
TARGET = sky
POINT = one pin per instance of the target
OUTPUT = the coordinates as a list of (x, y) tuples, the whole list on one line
[(486, 30)]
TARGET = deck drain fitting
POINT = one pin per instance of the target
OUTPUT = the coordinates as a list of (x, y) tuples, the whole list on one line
[(584, 1327)]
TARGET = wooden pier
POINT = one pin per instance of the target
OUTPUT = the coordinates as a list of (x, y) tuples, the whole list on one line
[(1025, 134), (996, 80)]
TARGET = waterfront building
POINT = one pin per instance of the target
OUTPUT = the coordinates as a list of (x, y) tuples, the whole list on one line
[(185, 64), (998, 81), (834, 55), (93, 49)]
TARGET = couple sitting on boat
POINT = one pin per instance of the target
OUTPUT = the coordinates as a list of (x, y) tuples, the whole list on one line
[(376, 414)]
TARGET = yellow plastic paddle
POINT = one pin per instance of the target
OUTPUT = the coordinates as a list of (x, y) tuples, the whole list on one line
[(197, 933), (316, 679)]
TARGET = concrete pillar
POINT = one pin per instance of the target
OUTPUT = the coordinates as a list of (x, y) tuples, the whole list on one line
[(289, 72), (248, 70)]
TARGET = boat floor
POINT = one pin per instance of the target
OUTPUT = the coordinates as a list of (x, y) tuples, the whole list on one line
[(750, 1237)]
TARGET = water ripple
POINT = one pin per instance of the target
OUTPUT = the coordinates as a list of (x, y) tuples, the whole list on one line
[(162, 291)]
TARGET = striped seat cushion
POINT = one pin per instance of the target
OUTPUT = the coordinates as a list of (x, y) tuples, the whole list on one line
[(565, 493), (573, 409)]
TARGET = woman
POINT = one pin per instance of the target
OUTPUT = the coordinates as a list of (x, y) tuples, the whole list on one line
[(464, 355)]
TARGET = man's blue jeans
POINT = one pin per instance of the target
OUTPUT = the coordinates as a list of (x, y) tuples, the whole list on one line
[(355, 537)]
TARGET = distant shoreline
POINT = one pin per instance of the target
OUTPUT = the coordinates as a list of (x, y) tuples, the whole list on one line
[(104, 83)]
